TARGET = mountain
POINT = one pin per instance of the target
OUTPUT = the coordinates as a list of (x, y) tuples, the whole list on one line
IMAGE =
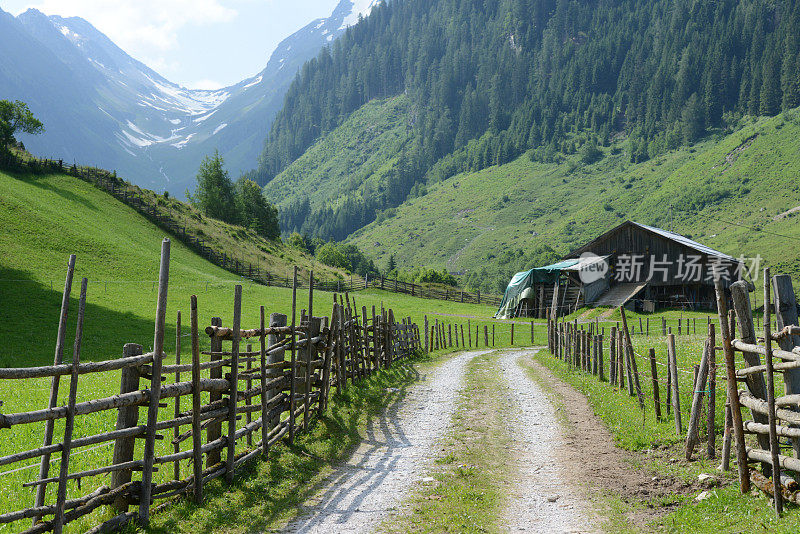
[(101, 106), (486, 82)]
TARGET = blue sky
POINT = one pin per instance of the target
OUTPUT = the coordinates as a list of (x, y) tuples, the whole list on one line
[(201, 44)]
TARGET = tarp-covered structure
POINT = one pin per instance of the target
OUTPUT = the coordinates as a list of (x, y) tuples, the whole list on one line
[(634, 265), (524, 285)]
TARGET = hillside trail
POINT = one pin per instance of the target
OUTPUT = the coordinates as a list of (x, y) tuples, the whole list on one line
[(399, 447)]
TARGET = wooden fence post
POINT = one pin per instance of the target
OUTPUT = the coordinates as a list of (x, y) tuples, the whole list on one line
[(127, 417), (427, 348), (197, 442), (692, 435), (755, 382), (485, 336), (176, 430), (612, 356), (155, 386), (712, 391), (785, 315), (462, 336), (69, 425), (672, 360), (512, 334), (293, 368), (469, 333), (214, 429), (773, 436), (654, 376), (233, 395), (733, 389), (600, 371)]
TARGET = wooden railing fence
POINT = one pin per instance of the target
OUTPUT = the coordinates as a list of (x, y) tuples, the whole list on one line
[(582, 347), (252, 388)]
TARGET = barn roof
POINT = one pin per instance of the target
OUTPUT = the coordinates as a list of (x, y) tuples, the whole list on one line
[(666, 234)]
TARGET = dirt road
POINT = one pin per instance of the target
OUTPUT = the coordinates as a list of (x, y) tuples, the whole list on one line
[(402, 443)]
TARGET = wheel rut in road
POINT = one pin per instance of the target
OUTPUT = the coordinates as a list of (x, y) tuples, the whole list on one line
[(543, 497), (399, 446)]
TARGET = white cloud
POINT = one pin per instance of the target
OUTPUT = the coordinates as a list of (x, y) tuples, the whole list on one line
[(144, 28)]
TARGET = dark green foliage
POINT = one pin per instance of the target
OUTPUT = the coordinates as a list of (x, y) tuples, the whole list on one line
[(214, 194), (253, 210), (391, 265), (16, 117), (489, 81), (423, 275), (329, 254), (242, 203), (344, 256)]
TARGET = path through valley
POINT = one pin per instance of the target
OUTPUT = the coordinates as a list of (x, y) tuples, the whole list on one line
[(402, 443)]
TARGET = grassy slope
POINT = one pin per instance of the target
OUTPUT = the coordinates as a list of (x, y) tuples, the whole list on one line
[(564, 205), (355, 155)]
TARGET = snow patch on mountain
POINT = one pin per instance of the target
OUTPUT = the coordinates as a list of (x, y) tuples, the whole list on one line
[(360, 8)]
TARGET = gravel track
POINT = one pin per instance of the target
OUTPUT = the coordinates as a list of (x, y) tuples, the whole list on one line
[(398, 448), (541, 499)]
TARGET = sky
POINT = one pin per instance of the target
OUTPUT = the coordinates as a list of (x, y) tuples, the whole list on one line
[(200, 44)]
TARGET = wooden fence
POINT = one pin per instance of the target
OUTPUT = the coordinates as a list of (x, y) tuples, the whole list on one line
[(582, 347), (245, 398)]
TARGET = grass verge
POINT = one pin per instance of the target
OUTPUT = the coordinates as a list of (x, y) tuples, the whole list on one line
[(656, 447)]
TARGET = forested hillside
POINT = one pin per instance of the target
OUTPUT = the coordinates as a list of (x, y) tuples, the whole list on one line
[(488, 81), (736, 193)]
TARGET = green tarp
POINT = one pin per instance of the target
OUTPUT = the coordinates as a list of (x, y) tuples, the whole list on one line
[(521, 282)]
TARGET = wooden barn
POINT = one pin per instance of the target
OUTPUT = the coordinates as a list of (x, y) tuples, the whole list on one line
[(639, 266)]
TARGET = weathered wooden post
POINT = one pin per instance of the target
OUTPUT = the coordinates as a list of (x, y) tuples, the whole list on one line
[(786, 315), (127, 417), (612, 356), (197, 439), (44, 465), (712, 391), (214, 429), (773, 434), (512, 334), (427, 348), (69, 424), (755, 381), (233, 393), (293, 368), (654, 375), (176, 430), (692, 436), (672, 360), (485, 336), (600, 370), (532, 337), (462, 337), (155, 387)]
